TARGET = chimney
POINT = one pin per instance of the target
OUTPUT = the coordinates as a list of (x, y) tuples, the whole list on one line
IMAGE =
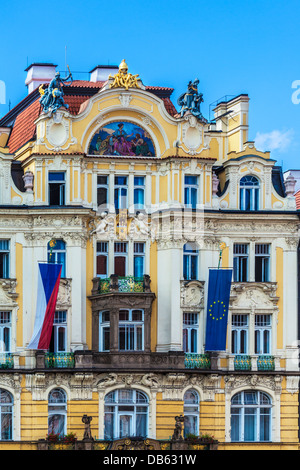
[(37, 74), (101, 72)]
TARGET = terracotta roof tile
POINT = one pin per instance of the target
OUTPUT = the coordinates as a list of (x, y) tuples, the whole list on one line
[(24, 127), (297, 196)]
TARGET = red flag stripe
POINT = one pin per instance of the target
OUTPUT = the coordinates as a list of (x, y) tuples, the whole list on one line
[(46, 332)]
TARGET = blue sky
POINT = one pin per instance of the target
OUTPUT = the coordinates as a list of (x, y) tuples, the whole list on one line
[(232, 46)]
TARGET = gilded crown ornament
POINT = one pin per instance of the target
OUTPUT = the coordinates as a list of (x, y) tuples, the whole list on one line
[(123, 79)]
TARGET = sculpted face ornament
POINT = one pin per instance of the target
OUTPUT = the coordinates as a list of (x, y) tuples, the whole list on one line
[(123, 79)]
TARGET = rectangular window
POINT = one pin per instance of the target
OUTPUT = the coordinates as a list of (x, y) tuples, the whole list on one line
[(4, 258), (263, 329), (102, 191), (262, 263), (190, 332), (239, 334), (56, 188), (121, 190), (190, 191), (139, 259), (58, 341), (139, 192), (131, 330), (5, 331), (104, 330), (190, 262), (57, 255), (240, 262), (121, 258), (102, 259)]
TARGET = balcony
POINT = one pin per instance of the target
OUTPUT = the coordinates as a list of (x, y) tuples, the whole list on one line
[(47, 360), (197, 361), (128, 284), (6, 361), (245, 362)]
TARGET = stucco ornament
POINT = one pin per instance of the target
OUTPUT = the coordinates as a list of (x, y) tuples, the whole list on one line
[(190, 100), (52, 97)]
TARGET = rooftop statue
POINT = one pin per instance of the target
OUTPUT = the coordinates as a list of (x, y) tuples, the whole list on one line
[(52, 97), (190, 100), (123, 79)]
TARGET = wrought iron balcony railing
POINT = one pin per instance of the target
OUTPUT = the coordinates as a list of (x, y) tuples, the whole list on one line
[(197, 361), (6, 361), (59, 360)]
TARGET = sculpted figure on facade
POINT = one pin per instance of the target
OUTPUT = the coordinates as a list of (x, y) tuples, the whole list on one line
[(123, 79), (191, 100), (52, 97)]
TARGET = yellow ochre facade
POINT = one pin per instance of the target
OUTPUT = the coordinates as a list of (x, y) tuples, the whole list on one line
[(138, 197)]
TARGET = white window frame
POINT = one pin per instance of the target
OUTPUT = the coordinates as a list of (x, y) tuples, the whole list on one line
[(116, 403), (189, 187), (237, 331), (192, 324), (258, 406), (131, 324), (260, 330), (60, 321), (103, 324)]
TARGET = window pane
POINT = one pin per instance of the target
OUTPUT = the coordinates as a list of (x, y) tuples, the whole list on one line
[(235, 424), (250, 424), (102, 265), (138, 266), (120, 266)]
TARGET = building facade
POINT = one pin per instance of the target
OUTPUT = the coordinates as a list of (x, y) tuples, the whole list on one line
[(134, 198)]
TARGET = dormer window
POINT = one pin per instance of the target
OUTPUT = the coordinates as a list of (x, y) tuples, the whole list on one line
[(249, 193)]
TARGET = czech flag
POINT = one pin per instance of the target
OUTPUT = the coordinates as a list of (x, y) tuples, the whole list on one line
[(48, 284), (219, 285)]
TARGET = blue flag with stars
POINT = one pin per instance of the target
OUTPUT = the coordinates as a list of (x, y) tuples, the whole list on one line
[(219, 285)]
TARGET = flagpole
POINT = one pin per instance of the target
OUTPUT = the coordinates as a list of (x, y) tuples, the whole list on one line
[(222, 247)]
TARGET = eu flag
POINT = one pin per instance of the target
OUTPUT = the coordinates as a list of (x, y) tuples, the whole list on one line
[(219, 285)]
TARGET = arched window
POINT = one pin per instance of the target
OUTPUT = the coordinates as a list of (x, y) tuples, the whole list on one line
[(6, 415), (57, 254), (190, 261), (57, 411), (251, 417), (249, 193), (191, 413), (126, 414)]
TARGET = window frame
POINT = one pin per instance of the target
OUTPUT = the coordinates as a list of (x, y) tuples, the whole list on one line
[(113, 405), (188, 256), (249, 184), (136, 189), (242, 406), (139, 255), (236, 334), (62, 187), (57, 408), (121, 254), (5, 338), (131, 335), (260, 331), (104, 324), (188, 412), (189, 188), (119, 199), (104, 186), (265, 268), (188, 332), (55, 252), (239, 259), (5, 254)]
